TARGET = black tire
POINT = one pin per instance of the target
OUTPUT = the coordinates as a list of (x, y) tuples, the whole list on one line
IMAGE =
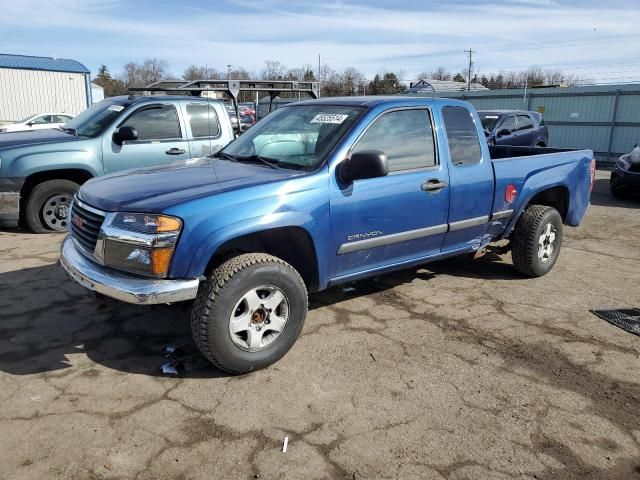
[(617, 188), (526, 236), (34, 214), (218, 296)]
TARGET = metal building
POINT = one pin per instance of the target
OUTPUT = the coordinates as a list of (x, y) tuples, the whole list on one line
[(30, 85), (604, 118)]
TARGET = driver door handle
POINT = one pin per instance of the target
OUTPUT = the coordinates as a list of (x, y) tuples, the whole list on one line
[(433, 185), (175, 151)]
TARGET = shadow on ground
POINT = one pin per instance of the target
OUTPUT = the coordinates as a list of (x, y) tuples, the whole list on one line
[(45, 319), (602, 196)]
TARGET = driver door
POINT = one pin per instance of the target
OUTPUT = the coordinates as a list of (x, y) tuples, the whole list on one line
[(379, 222), (161, 139)]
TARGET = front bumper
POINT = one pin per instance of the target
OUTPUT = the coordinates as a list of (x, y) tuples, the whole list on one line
[(127, 288)]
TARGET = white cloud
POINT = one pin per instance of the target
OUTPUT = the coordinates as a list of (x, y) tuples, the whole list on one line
[(247, 32)]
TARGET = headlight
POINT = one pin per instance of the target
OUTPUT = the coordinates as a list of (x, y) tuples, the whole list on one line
[(141, 243), (623, 164)]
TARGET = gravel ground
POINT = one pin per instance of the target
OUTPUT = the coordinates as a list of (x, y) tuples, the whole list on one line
[(459, 370)]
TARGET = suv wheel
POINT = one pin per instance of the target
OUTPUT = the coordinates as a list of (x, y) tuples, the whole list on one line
[(48, 206), (536, 240), (249, 312)]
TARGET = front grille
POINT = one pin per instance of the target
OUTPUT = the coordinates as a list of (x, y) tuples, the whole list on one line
[(85, 226)]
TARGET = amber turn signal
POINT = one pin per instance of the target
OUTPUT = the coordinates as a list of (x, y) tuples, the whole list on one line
[(160, 260)]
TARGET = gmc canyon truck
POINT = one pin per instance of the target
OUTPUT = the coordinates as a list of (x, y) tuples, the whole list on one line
[(40, 171), (318, 193)]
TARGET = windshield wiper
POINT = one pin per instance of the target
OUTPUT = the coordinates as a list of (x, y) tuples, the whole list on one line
[(225, 155), (270, 162)]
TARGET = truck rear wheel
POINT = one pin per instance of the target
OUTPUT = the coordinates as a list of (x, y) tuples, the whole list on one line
[(249, 312), (48, 205), (536, 240)]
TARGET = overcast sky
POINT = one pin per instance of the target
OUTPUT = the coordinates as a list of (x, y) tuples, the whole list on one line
[(600, 39)]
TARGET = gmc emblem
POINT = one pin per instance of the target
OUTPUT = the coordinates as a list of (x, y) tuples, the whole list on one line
[(77, 221)]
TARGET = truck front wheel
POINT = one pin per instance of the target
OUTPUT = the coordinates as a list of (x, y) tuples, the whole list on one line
[(249, 312), (536, 240), (48, 205)]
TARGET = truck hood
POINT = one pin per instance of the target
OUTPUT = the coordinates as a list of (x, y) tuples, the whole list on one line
[(35, 137), (156, 189)]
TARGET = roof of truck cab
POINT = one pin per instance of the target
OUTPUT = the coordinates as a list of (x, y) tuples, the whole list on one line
[(366, 101)]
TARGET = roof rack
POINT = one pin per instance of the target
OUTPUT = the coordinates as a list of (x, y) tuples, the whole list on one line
[(232, 88)]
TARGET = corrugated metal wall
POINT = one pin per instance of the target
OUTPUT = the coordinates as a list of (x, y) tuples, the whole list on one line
[(605, 119), (25, 92)]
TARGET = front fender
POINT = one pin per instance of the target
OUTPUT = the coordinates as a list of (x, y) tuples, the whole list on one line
[(30, 163), (191, 260)]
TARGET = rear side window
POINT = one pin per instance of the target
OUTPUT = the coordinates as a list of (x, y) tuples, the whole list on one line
[(405, 136), (524, 122), (155, 123), (462, 136), (203, 120)]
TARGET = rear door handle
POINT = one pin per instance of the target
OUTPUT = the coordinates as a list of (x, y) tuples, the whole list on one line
[(175, 151), (433, 185)]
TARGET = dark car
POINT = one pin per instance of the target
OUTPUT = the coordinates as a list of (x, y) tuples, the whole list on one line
[(514, 127), (625, 178)]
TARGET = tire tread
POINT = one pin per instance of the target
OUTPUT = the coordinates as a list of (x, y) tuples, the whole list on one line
[(212, 289)]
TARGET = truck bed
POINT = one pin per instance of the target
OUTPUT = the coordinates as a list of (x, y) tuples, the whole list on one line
[(498, 152)]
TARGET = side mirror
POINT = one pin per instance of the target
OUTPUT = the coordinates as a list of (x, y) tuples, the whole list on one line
[(364, 164), (124, 134), (31, 124), (505, 132)]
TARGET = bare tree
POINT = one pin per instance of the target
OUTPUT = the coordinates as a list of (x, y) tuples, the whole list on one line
[(150, 71), (273, 70), (194, 72)]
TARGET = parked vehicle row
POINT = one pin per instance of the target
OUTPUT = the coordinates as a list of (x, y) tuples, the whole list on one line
[(318, 193), (40, 171)]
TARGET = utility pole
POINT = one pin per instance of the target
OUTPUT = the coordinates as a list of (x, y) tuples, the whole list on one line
[(319, 76), (229, 72), (470, 52)]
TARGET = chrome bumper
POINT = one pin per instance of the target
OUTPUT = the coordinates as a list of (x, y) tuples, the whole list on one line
[(127, 288)]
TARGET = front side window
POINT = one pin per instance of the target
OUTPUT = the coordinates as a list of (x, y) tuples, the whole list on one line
[(405, 136), (298, 137), (509, 123), (62, 119), (489, 121), (462, 136), (157, 122), (524, 122), (43, 119), (203, 120)]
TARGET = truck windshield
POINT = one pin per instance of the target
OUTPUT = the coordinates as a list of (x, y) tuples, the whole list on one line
[(95, 119), (488, 120), (295, 137)]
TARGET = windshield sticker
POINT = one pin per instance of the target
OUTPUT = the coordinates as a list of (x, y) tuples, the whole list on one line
[(329, 118), (491, 116), (116, 108)]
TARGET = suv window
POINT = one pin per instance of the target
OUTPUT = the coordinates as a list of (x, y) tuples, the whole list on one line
[(203, 120), (156, 122), (462, 136), (524, 122), (405, 136), (509, 123)]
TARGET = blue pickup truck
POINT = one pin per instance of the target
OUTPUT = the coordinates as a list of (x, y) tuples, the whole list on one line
[(318, 193), (40, 171)]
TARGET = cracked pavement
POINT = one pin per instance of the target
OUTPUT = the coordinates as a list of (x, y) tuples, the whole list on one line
[(457, 370)]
